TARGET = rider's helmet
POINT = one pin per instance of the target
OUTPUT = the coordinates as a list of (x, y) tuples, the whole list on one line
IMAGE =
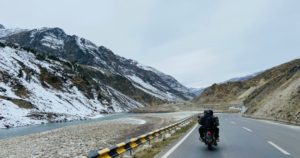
[(210, 112), (205, 112)]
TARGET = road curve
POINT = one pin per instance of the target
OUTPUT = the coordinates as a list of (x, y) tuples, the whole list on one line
[(241, 138)]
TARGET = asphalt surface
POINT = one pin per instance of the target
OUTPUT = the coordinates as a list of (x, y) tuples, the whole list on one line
[(241, 138)]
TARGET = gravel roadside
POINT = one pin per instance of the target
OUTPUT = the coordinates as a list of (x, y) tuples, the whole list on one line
[(78, 140)]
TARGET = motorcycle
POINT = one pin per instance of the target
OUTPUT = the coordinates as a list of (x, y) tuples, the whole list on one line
[(209, 139)]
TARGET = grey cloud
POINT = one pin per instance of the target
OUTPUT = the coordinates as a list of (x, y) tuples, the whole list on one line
[(198, 42)]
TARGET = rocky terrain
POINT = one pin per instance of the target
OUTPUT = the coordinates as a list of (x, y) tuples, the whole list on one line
[(47, 75), (272, 94), (78, 140)]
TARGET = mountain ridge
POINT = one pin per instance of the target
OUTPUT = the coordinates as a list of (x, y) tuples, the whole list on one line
[(48, 61), (54, 41)]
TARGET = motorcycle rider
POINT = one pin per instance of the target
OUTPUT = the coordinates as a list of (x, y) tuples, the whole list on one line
[(208, 120)]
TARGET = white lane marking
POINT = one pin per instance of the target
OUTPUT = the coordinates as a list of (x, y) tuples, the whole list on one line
[(280, 124), (247, 129), (279, 148), (232, 122), (226, 119), (177, 145)]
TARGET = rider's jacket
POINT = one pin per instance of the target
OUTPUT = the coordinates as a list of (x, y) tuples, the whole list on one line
[(208, 121)]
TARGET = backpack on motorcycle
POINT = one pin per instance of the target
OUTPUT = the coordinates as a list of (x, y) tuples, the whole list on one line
[(216, 121), (208, 122)]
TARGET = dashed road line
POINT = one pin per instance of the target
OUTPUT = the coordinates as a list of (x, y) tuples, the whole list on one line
[(247, 129), (279, 148), (232, 122)]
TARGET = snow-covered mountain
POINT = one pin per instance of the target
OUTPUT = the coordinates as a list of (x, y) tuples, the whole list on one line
[(46, 75), (6, 32), (55, 42), (35, 89), (197, 91)]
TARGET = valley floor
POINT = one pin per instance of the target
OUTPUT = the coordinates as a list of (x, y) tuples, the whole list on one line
[(78, 140)]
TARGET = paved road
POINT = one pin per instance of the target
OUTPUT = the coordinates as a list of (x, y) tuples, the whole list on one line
[(242, 138)]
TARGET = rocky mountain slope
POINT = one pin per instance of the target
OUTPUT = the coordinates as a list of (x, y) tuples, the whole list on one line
[(47, 75), (55, 42), (35, 89), (272, 94)]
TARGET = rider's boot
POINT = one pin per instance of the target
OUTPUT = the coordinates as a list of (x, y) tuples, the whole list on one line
[(201, 139)]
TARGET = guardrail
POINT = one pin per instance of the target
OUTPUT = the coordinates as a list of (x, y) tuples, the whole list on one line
[(131, 145)]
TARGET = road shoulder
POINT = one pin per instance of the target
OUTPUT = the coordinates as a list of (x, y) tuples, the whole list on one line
[(170, 146)]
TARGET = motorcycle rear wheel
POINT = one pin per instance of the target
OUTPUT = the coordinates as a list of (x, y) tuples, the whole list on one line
[(209, 146)]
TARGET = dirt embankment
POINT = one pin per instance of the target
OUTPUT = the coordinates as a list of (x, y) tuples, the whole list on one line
[(279, 100)]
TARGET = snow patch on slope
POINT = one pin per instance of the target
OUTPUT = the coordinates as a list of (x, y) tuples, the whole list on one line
[(87, 46), (167, 78), (13, 115), (148, 88), (52, 41), (69, 102)]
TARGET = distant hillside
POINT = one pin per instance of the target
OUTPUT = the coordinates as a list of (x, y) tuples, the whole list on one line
[(272, 94), (196, 91), (244, 78)]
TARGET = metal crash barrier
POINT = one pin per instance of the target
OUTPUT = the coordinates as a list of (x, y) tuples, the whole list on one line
[(131, 145)]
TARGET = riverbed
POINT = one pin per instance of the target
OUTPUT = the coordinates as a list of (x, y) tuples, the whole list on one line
[(21, 131), (78, 138)]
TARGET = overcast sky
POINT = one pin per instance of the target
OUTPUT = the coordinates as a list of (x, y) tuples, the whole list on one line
[(199, 42)]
